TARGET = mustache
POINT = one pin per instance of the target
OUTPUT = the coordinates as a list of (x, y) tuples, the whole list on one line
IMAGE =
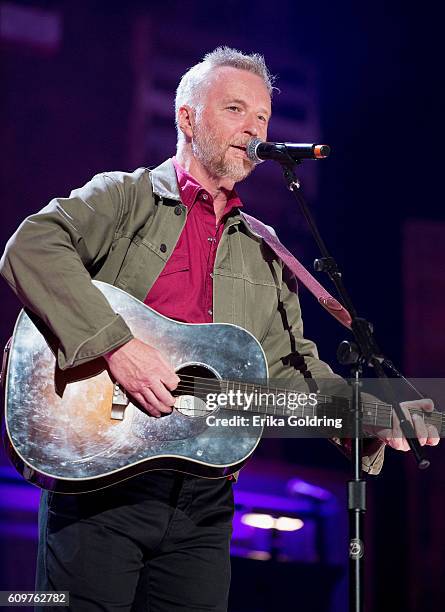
[(243, 145)]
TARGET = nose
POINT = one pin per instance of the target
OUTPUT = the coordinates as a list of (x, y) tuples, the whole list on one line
[(251, 130), (251, 126), (254, 127)]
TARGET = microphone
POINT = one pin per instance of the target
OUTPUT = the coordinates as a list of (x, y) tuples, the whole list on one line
[(257, 151)]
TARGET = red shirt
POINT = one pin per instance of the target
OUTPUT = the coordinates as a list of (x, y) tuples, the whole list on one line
[(184, 289)]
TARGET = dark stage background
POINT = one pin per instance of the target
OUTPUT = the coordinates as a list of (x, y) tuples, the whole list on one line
[(89, 86)]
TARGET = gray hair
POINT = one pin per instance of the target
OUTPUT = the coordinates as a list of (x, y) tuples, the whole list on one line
[(193, 83)]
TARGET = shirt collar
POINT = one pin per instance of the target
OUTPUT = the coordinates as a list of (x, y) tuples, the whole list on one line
[(190, 190)]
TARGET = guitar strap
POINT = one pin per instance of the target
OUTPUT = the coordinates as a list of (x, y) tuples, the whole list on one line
[(328, 302)]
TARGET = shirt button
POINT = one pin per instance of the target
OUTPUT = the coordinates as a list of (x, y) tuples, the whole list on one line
[(205, 197), (178, 210), (163, 248), (210, 311)]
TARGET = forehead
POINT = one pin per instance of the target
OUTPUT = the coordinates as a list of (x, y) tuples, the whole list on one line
[(233, 83)]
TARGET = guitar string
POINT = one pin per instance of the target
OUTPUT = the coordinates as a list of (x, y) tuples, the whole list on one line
[(211, 383), (282, 411), (385, 409)]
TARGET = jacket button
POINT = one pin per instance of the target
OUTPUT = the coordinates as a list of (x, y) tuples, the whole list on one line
[(163, 248), (178, 210)]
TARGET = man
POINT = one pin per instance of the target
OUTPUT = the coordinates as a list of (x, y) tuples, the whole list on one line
[(174, 238)]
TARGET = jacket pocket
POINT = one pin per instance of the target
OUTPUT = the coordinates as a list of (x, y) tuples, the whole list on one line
[(175, 264)]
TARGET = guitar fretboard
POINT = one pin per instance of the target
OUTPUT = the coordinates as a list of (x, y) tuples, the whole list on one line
[(281, 402)]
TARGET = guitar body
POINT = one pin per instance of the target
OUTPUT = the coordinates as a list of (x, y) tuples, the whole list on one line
[(65, 432)]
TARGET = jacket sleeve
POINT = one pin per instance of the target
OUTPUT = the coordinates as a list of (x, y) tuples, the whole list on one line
[(47, 263), (294, 358)]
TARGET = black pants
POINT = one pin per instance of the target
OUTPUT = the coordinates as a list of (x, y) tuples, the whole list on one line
[(158, 542)]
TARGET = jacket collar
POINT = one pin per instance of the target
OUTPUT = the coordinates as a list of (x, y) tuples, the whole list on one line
[(164, 182), (165, 185)]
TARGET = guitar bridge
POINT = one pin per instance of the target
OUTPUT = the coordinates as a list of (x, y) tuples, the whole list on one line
[(120, 402)]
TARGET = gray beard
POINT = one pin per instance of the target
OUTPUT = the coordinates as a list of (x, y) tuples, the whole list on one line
[(207, 150)]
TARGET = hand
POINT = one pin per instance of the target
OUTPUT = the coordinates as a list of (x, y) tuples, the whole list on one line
[(145, 375), (427, 434)]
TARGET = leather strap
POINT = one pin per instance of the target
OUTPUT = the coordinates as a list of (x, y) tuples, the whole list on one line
[(328, 302)]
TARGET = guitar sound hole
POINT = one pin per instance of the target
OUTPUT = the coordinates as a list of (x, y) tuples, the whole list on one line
[(197, 384)]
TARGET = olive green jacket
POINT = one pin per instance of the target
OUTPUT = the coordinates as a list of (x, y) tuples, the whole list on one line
[(122, 228)]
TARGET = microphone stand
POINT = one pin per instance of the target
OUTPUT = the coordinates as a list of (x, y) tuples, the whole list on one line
[(363, 351)]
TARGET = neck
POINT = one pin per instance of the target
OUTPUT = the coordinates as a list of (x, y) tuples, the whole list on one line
[(218, 187)]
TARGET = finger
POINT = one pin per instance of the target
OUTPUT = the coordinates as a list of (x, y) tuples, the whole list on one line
[(399, 444), (396, 437), (409, 417), (152, 394), (402, 445), (433, 436), (393, 438), (399, 440), (171, 380), (166, 374), (420, 428), (147, 405), (426, 404), (163, 395)]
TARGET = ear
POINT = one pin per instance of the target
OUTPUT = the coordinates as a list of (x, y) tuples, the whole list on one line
[(186, 121)]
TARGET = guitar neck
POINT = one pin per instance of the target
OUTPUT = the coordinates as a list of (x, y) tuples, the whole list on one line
[(281, 402)]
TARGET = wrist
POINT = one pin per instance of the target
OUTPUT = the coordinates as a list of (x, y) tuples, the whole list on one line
[(108, 356)]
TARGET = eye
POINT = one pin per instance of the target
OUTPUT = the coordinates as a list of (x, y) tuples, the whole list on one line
[(234, 107), (262, 118)]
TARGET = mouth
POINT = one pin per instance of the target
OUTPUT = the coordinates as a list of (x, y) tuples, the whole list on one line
[(242, 150)]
